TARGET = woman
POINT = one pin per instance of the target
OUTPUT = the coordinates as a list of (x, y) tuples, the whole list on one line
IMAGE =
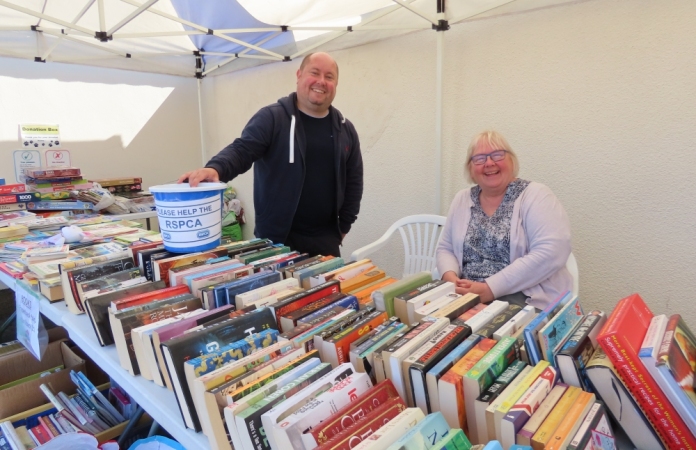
[(505, 238)]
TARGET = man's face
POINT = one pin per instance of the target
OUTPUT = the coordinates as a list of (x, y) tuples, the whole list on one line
[(316, 84)]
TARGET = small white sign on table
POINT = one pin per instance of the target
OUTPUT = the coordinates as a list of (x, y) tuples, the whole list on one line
[(58, 158), (25, 159), (33, 135), (29, 323)]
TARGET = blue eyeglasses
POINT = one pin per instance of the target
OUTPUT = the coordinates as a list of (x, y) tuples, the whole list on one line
[(481, 158)]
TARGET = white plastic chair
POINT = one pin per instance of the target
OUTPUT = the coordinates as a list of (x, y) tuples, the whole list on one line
[(572, 266), (419, 234)]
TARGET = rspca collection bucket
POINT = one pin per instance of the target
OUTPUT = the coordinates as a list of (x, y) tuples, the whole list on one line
[(189, 217)]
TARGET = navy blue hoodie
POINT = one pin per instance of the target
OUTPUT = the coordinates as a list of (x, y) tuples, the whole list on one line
[(274, 142)]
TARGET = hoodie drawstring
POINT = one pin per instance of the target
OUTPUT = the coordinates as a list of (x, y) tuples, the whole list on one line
[(292, 139)]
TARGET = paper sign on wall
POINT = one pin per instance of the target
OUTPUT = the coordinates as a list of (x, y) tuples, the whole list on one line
[(25, 159), (58, 158), (29, 323), (33, 135)]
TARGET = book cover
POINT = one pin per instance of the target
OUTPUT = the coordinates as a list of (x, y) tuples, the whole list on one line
[(407, 303), (350, 414), (546, 431), (484, 317), (301, 299), (451, 387), (572, 359), (524, 436), (425, 435), (531, 331), (596, 419), (89, 272), (179, 349), (419, 369), (571, 422), (489, 329), (433, 376), (244, 284), (337, 348), (605, 382), (621, 339), (559, 327), (350, 437), (678, 352), (393, 430), (482, 375), (290, 320)]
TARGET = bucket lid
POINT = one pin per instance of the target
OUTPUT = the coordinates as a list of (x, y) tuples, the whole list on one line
[(184, 187)]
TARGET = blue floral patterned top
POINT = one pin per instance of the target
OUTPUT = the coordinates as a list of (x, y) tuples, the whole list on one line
[(487, 240)]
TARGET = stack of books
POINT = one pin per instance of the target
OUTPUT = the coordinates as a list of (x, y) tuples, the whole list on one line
[(120, 185), (51, 188)]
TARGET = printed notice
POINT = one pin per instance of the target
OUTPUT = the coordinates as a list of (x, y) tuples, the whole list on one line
[(25, 159), (33, 135), (58, 158), (28, 319)]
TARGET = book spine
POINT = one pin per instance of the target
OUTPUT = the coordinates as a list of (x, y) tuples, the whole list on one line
[(344, 340), (660, 412)]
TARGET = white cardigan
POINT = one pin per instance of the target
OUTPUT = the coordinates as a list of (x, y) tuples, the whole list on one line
[(539, 246)]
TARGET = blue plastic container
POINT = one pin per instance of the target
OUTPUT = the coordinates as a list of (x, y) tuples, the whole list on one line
[(190, 218)]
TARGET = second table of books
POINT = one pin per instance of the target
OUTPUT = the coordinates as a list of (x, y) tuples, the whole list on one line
[(157, 401)]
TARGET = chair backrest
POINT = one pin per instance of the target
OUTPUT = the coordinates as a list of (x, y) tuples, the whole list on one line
[(572, 266), (419, 234)]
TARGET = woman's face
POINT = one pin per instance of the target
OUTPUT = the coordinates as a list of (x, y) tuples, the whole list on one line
[(492, 176)]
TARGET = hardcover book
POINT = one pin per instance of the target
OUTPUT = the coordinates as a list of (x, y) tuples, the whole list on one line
[(578, 349), (558, 328), (621, 339)]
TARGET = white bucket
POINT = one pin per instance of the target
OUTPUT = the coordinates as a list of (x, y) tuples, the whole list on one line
[(190, 218)]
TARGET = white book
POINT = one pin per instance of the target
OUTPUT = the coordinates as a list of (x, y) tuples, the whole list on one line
[(422, 300), (392, 431), (139, 347), (342, 273), (395, 359), (271, 419), (434, 306), (484, 317), (273, 298), (235, 407), (518, 321), (243, 300)]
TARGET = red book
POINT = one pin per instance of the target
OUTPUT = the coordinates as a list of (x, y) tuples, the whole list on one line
[(336, 349), (12, 188), (52, 172), (353, 412), (48, 426), (41, 434), (147, 297), (376, 419), (621, 339), (297, 301)]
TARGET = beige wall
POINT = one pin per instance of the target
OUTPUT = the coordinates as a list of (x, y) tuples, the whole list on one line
[(597, 97), (115, 123)]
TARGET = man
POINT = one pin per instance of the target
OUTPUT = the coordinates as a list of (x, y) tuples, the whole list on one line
[(308, 171)]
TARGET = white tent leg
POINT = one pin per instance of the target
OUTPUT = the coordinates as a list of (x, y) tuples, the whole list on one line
[(200, 123), (438, 119)]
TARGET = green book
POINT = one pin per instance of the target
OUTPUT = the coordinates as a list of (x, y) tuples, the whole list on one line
[(384, 298), (262, 254), (454, 440), (32, 377)]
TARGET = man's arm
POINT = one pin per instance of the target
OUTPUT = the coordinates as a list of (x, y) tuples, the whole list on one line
[(354, 186), (238, 157)]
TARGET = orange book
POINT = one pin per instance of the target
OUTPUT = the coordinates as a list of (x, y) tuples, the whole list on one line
[(571, 422), (548, 428), (450, 387), (337, 348), (362, 280), (147, 297), (363, 295), (472, 312)]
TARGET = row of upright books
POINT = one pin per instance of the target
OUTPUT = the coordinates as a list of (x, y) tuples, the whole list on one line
[(234, 333)]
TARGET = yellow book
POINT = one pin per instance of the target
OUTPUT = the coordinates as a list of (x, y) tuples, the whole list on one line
[(364, 293), (13, 230), (547, 429), (511, 399), (571, 422), (363, 279)]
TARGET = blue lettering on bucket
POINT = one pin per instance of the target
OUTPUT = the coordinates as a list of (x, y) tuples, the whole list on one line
[(179, 224), (166, 235), (202, 234)]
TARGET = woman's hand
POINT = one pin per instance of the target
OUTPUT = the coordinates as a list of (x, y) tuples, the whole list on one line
[(474, 287)]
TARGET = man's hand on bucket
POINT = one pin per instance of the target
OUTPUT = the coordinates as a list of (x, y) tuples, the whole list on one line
[(199, 175)]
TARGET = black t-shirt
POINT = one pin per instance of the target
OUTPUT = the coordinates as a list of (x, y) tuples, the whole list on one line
[(316, 211)]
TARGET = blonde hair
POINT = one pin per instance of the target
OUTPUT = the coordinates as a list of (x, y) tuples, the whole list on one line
[(496, 141)]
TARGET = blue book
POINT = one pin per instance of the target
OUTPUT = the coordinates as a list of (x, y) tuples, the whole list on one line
[(304, 275), (213, 270), (2, 181), (554, 333), (348, 302), (424, 435), (432, 377), (493, 445), (530, 331), (220, 291)]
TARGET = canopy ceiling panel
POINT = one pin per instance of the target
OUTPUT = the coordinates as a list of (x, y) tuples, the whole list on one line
[(200, 38)]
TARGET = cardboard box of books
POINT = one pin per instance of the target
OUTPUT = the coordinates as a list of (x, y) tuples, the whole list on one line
[(22, 374)]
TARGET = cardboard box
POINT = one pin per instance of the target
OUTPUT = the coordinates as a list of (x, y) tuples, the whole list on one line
[(22, 364)]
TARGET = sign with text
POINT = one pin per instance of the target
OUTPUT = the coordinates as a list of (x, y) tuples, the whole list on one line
[(29, 324), (33, 135), (25, 159), (58, 158)]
